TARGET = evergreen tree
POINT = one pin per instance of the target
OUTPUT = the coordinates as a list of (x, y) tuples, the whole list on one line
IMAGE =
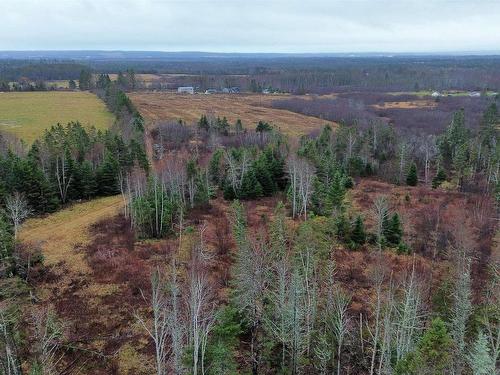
[(480, 360), (88, 180), (435, 346), (107, 176), (250, 186), (263, 127), (489, 123), (393, 230), (337, 190), (224, 342), (214, 168), (358, 235), (85, 81), (203, 123), (439, 178), (342, 228), (412, 177), (432, 355), (223, 126), (72, 84), (6, 240), (263, 174)]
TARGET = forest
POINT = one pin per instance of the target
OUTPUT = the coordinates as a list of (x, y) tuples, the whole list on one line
[(368, 246)]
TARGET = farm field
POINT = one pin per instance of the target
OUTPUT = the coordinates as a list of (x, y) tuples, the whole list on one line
[(28, 114), (249, 108)]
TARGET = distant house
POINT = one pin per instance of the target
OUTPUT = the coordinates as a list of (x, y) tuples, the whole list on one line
[(185, 90), (474, 94), (211, 91), (266, 91), (436, 94)]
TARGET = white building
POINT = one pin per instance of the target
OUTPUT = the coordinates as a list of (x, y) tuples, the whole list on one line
[(185, 90)]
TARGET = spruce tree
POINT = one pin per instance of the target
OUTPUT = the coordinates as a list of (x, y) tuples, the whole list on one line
[(203, 123), (412, 177), (250, 186), (337, 190), (434, 347), (393, 230), (439, 178), (107, 176), (358, 235), (480, 359), (342, 228)]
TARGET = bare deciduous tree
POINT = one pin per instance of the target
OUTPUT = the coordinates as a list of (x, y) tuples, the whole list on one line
[(301, 174), (17, 209), (379, 212), (158, 329), (48, 333), (9, 360)]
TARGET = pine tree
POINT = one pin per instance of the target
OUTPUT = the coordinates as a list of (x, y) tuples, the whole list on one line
[(439, 178), (88, 180), (250, 186), (203, 123), (434, 347), (433, 353), (393, 230), (358, 234), (412, 177), (337, 190), (107, 176), (342, 228), (263, 127), (263, 174)]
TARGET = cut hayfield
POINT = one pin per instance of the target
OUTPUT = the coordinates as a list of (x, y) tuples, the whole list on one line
[(28, 114), (59, 234), (415, 104), (249, 108)]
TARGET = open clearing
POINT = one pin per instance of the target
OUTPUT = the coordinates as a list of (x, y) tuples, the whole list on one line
[(249, 108), (415, 104), (28, 114), (59, 234)]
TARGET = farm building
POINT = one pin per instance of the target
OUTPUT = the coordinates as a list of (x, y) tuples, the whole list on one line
[(185, 90)]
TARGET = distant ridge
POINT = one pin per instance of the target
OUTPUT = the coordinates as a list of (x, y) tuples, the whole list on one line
[(97, 55)]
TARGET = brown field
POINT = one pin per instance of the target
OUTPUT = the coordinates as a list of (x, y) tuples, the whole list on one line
[(406, 105), (249, 108)]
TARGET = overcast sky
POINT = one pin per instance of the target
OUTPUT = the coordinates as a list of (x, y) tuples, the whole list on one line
[(252, 25)]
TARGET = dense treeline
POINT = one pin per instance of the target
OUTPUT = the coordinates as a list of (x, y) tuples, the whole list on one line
[(13, 70), (67, 164), (307, 74)]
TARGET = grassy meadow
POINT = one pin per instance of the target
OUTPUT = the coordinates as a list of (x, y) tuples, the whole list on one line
[(27, 114)]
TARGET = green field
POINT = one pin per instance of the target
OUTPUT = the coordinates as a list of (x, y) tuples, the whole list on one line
[(28, 114)]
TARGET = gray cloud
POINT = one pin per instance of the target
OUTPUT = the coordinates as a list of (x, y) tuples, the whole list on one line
[(252, 25)]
